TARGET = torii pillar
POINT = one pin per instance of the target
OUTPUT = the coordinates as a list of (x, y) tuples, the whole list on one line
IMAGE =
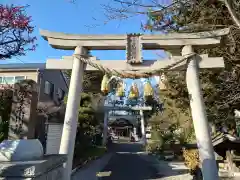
[(71, 114), (199, 117)]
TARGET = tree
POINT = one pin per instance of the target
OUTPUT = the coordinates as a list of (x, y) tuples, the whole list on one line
[(91, 80), (88, 125), (15, 31), (220, 87)]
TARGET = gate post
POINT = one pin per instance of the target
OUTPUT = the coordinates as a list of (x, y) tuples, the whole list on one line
[(143, 128), (71, 114), (200, 122)]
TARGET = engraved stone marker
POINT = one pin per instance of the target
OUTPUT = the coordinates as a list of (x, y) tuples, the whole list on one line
[(23, 114)]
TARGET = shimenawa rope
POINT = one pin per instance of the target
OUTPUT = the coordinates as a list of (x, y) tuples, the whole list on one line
[(130, 74)]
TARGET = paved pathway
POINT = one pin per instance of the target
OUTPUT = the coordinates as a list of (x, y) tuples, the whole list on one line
[(127, 162)]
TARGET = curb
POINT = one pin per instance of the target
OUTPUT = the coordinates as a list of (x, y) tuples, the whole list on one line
[(87, 162), (79, 166), (90, 170)]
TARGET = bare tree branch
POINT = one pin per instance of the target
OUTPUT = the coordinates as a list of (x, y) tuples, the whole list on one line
[(233, 14)]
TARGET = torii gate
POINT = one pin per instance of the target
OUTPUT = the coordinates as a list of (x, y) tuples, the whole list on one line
[(138, 108), (182, 48)]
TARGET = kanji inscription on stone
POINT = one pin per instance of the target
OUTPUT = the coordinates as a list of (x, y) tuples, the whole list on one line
[(134, 48)]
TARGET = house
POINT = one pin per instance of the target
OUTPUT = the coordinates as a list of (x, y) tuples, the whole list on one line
[(52, 86)]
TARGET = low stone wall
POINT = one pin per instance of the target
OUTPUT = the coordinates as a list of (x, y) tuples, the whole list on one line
[(50, 167)]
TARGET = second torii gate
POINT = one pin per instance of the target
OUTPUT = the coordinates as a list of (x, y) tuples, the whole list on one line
[(182, 48), (141, 109)]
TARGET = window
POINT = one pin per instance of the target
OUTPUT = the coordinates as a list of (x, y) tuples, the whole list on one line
[(48, 88), (60, 93), (11, 79), (8, 80), (19, 78)]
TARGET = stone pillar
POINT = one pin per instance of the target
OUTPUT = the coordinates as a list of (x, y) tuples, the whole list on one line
[(144, 139), (105, 128), (201, 126), (23, 114), (71, 114)]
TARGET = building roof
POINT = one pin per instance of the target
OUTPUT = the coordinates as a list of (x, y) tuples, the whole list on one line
[(23, 66), (30, 66)]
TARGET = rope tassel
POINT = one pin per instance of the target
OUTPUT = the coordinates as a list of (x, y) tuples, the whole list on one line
[(148, 90), (134, 93), (104, 84)]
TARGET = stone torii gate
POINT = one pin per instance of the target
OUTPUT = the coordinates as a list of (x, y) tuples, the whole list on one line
[(181, 46)]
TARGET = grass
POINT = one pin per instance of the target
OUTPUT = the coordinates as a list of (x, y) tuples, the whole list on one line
[(90, 154)]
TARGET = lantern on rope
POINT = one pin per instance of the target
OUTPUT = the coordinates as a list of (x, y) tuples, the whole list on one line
[(104, 84), (120, 90), (163, 82), (148, 89), (134, 93)]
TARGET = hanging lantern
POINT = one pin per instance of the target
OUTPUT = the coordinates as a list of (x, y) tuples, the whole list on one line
[(120, 90), (148, 90), (134, 93), (104, 84), (163, 82)]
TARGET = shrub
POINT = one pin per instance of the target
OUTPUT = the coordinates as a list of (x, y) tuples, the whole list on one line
[(154, 147), (191, 157)]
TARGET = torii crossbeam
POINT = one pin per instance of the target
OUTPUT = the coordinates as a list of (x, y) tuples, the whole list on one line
[(182, 45)]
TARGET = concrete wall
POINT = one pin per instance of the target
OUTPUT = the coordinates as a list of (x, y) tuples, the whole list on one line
[(55, 77)]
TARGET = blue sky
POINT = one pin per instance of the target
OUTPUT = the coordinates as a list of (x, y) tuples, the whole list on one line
[(62, 16)]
